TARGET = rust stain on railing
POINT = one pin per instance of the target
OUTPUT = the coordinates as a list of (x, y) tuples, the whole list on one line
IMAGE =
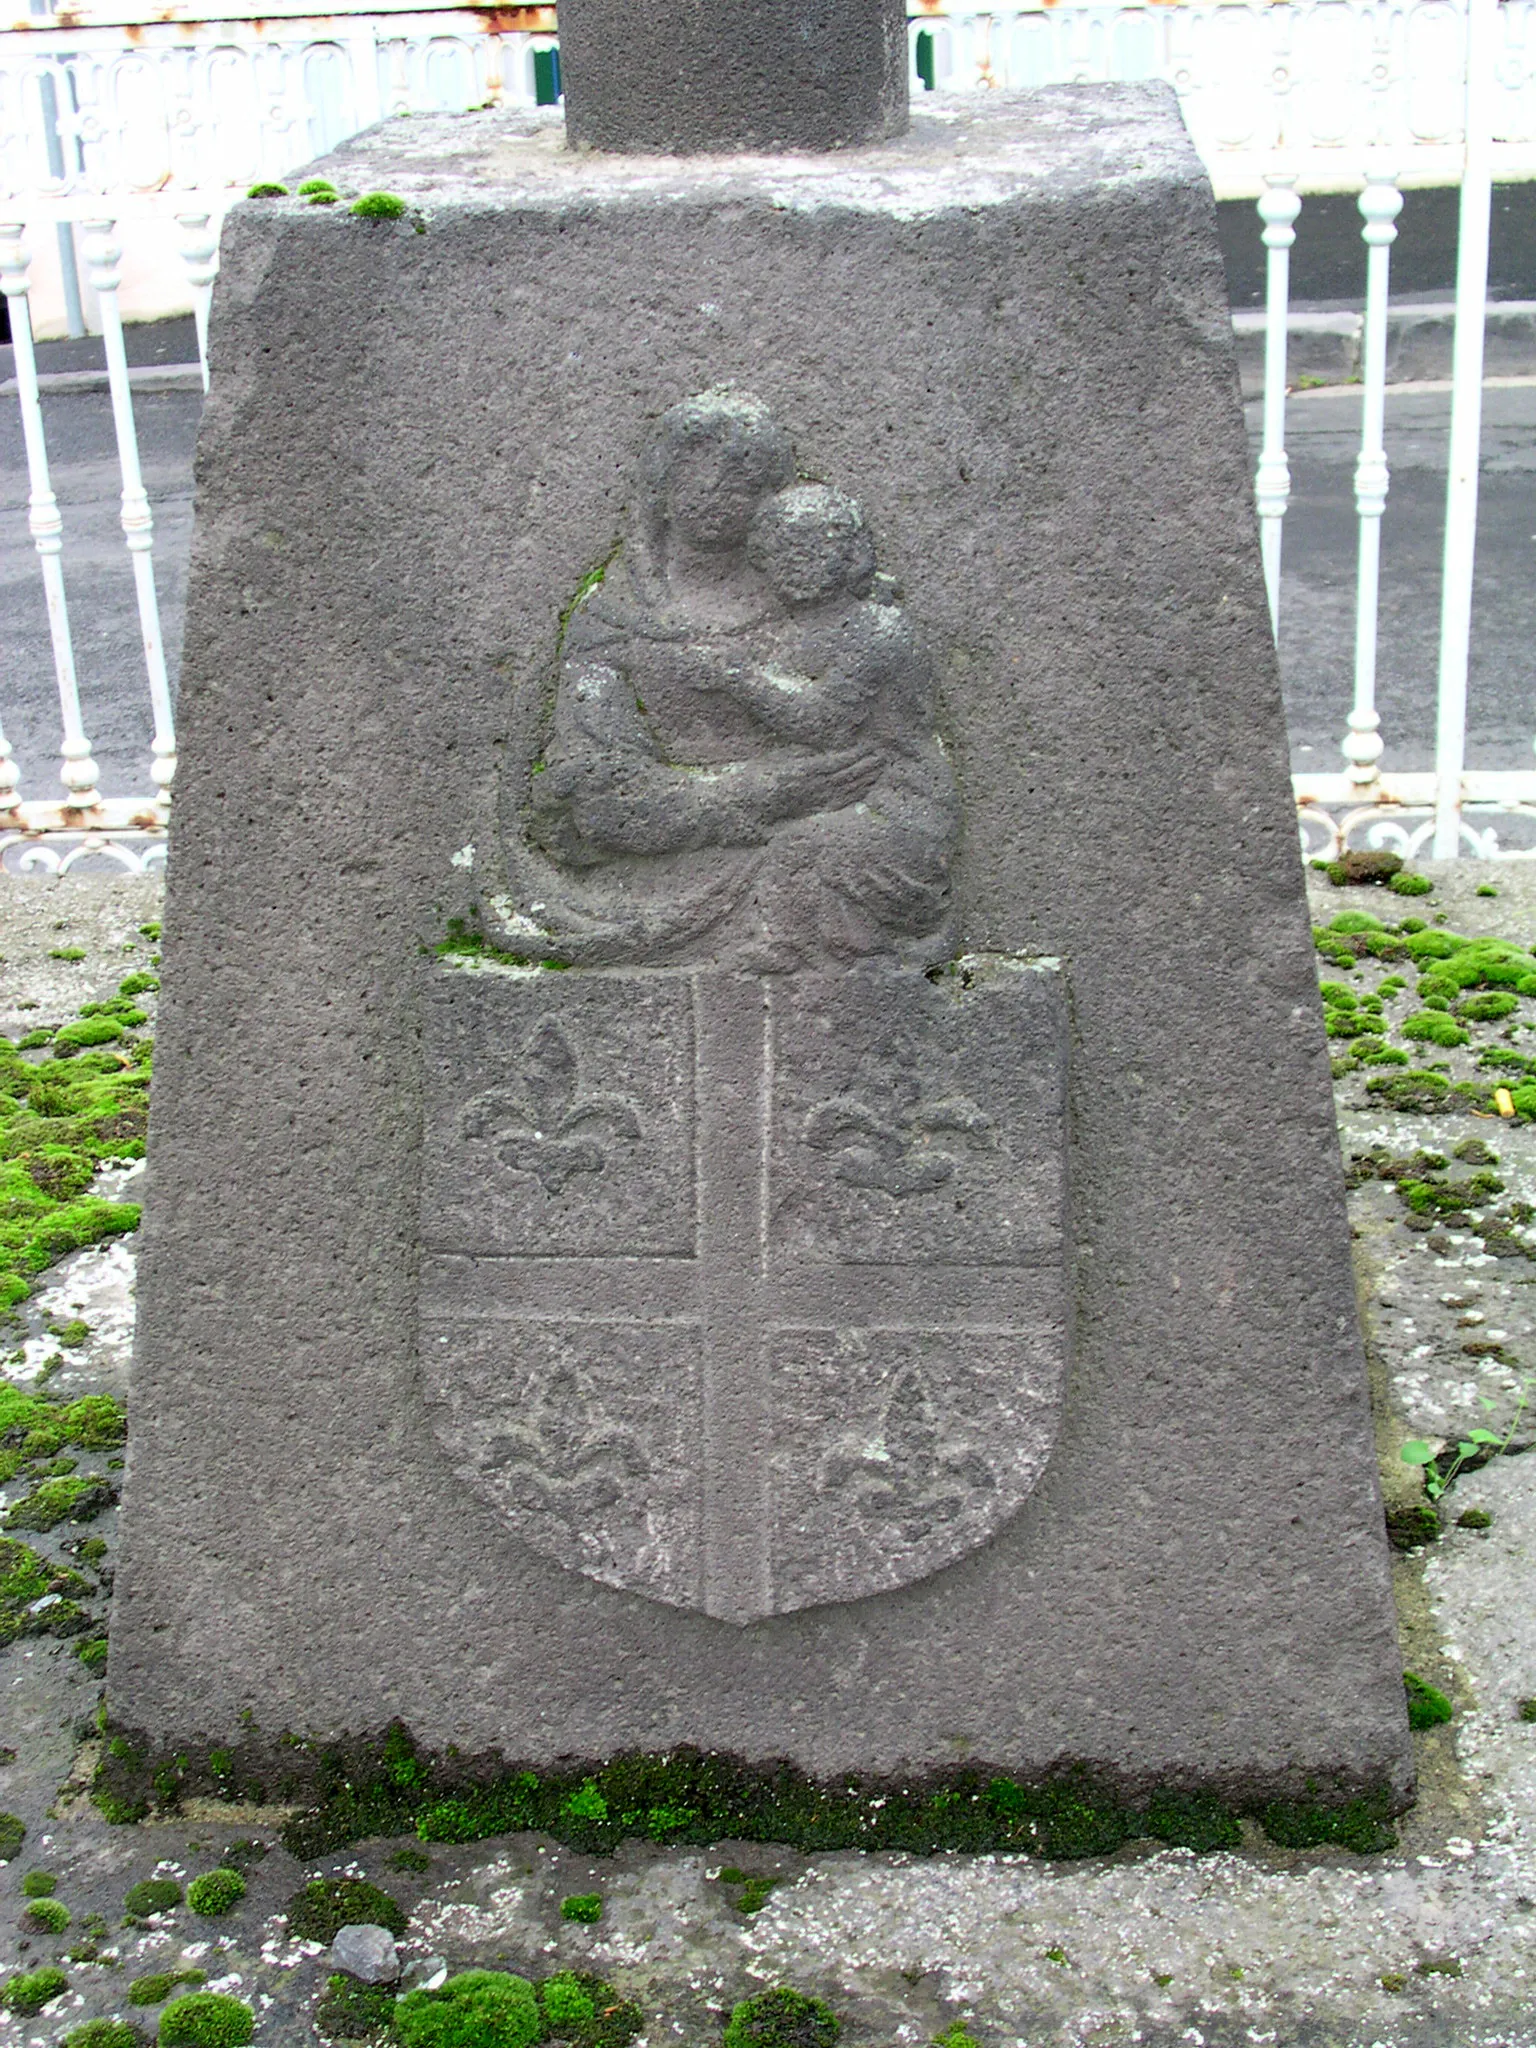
[(511, 21), (496, 19)]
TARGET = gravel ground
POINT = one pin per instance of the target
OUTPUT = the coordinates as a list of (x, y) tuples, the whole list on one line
[(1432, 1946)]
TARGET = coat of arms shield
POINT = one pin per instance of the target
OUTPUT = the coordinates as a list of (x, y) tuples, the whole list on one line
[(746, 1293)]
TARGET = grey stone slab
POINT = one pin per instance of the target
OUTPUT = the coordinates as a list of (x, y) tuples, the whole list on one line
[(1004, 338), (684, 75)]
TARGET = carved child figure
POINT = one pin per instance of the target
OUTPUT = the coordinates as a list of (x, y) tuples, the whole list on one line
[(842, 669)]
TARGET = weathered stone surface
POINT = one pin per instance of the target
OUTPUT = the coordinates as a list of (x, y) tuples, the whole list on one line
[(1005, 338), (367, 1953), (689, 75)]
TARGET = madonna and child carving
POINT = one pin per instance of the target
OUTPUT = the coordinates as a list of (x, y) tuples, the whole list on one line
[(742, 767), (743, 1287)]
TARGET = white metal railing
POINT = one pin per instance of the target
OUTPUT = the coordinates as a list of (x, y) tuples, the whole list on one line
[(122, 144), (1308, 85), (116, 140)]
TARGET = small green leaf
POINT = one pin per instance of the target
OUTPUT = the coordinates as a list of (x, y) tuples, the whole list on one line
[(1484, 1436), (1417, 1452)]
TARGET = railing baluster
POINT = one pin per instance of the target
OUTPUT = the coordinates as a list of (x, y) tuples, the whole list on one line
[(1380, 204), (104, 257), (200, 253), (1466, 428), (10, 783), (1278, 209), (77, 771)]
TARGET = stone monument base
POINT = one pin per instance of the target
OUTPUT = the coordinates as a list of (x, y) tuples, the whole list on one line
[(1006, 335)]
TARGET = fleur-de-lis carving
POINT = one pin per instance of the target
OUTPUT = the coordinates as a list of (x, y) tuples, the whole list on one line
[(909, 1472), (874, 1152), (568, 1457), (544, 1124)]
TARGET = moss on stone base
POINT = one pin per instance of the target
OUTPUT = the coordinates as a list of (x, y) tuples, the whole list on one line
[(385, 1786)]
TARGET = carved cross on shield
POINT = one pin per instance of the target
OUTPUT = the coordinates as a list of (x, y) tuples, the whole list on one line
[(746, 1293)]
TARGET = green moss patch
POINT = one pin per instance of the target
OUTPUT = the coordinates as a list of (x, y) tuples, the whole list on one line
[(782, 2018), (60, 1500), (350, 2011), (1363, 1825), (1433, 1027), (583, 2009), (104, 2034), (320, 1910), (60, 1119), (157, 1988), (34, 1430), (566, 2006), (468, 942), (152, 1895), (1412, 1524), (1421, 1092), (215, 1893), (28, 1994), (206, 2019), (479, 2007), (1428, 1707), (476, 2009), (1363, 868), (38, 1597), (1368, 868)]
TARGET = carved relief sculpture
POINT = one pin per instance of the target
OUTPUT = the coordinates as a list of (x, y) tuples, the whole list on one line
[(743, 768), (744, 1282)]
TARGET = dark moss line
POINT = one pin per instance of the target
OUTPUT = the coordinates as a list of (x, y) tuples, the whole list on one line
[(386, 1786)]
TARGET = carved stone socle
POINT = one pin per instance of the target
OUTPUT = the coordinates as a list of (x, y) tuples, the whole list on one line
[(683, 76), (662, 1347)]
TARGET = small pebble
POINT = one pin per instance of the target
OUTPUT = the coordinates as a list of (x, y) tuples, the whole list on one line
[(367, 1953)]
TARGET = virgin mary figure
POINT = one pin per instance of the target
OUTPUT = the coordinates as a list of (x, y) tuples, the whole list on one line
[(740, 768)]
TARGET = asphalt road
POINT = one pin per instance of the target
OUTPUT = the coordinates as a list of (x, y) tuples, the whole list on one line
[(98, 582), (1317, 603), (1317, 577)]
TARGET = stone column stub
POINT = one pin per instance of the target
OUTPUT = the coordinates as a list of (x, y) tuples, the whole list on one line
[(686, 77)]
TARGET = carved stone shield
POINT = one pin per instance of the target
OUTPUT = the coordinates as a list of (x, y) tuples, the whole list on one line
[(746, 1293)]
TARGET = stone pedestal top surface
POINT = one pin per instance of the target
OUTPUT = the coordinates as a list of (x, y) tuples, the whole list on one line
[(960, 154)]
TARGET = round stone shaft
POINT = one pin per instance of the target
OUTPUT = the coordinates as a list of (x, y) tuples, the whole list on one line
[(688, 76)]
